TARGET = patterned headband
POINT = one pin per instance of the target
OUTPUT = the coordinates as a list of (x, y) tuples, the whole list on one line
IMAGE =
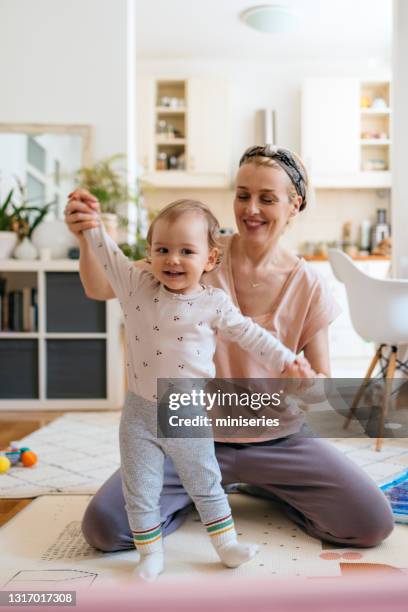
[(285, 160)]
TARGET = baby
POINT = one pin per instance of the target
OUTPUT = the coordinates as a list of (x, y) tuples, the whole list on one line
[(171, 321)]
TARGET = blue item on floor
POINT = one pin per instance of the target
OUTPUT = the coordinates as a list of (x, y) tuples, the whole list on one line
[(397, 493)]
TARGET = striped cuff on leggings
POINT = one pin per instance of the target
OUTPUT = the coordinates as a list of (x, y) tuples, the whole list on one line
[(148, 539), (220, 526)]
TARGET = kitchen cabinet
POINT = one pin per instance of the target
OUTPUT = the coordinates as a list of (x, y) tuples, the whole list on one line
[(345, 132), (350, 354), (184, 136), (208, 126)]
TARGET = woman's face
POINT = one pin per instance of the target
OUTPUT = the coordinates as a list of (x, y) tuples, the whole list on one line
[(262, 204)]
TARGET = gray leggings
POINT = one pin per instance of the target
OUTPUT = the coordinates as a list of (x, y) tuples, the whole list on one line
[(142, 461), (316, 485)]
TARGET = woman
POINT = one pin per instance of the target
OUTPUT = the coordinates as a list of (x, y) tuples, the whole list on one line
[(317, 486)]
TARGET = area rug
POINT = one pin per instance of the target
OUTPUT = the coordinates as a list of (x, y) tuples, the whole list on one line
[(43, 546), (79, 451), (76, 453)]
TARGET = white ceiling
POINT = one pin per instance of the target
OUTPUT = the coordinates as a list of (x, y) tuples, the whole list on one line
[(208, 29)]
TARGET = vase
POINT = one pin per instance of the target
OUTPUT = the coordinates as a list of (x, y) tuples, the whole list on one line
[(25, 250), (8, 241), (110, 222), (55, 237)]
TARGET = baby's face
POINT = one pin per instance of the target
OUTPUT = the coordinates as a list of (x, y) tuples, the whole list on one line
[(180, 252)]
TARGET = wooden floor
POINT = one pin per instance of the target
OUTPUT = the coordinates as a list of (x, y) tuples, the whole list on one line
[(13, 429)]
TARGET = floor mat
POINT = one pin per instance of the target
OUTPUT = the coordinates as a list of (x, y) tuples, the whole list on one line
[(55, 554)]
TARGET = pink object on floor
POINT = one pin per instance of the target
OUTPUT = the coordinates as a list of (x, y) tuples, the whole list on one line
[(357, 594)]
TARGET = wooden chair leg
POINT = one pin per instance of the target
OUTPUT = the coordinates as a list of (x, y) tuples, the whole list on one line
[(363, 386), (387, 392)]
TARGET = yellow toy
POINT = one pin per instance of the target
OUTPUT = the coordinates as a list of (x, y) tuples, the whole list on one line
[(4, 464)]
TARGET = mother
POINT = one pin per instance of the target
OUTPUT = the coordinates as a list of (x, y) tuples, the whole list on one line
[(316, 486)]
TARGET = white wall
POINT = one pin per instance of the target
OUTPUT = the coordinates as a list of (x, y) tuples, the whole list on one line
[(64, 61), (400, 138)]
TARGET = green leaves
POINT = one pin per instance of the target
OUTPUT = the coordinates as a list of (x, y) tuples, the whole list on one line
[(6, 218), (107, 183), (135, 251), (29, 217), (21, 218)]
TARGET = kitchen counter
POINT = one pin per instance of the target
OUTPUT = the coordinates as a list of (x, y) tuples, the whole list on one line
[(356, 257)]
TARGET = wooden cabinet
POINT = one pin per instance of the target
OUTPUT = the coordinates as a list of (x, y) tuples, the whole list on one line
[(350, 354), (208, 126), (345, 132), (65, 352), (184, 131)]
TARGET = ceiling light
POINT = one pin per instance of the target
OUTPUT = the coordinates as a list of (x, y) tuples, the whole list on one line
[(271, 18)]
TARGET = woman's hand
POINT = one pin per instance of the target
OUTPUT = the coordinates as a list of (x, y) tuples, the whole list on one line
[(82, 211), (300, 368), (300, 376)]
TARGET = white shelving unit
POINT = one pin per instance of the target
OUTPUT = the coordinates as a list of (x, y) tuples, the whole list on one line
[(184, 131), (375, 126), (73, 310), (346, 127)]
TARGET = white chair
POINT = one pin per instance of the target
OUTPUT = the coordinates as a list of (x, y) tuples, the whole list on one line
[(379, 313)]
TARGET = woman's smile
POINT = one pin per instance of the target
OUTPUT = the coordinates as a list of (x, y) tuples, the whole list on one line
[(253, 224)]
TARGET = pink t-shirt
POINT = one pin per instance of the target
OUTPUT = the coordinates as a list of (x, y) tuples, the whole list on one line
[(304, 307)]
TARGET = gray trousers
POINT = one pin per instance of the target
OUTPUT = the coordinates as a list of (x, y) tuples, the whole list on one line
[(316, 486), (142, 461)]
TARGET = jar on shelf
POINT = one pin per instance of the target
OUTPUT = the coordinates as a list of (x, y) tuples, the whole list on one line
[(165, 101), (162, 161), (172, 162), (181, 162), (161, 126), (374, 165), (321, 249), (170, 131)]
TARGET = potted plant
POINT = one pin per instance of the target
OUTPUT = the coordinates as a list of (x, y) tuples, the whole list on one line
[(107, 182), (25, 218), (8, 235)]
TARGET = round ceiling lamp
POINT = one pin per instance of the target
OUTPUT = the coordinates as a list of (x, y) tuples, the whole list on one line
[(271, 18)]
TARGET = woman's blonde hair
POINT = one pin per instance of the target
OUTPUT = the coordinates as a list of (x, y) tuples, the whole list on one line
[(277, 157), (174, 210)]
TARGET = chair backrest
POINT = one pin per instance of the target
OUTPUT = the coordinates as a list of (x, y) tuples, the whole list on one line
[(378, 307)]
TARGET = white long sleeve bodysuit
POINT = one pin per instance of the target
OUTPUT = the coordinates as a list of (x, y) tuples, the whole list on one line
[(171, 335)]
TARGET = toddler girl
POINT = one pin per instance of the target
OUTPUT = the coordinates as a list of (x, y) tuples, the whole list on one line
[(171, 321)]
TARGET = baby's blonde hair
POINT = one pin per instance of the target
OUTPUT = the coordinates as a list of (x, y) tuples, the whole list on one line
[(175, 209)]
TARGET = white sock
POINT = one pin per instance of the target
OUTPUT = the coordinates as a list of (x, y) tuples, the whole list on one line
[(150, 566), (224, 539), (149, 544), (234, 554)]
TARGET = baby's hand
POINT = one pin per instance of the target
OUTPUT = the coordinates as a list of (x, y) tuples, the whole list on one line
[(82, 211), (300, 368), (300, 375)]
